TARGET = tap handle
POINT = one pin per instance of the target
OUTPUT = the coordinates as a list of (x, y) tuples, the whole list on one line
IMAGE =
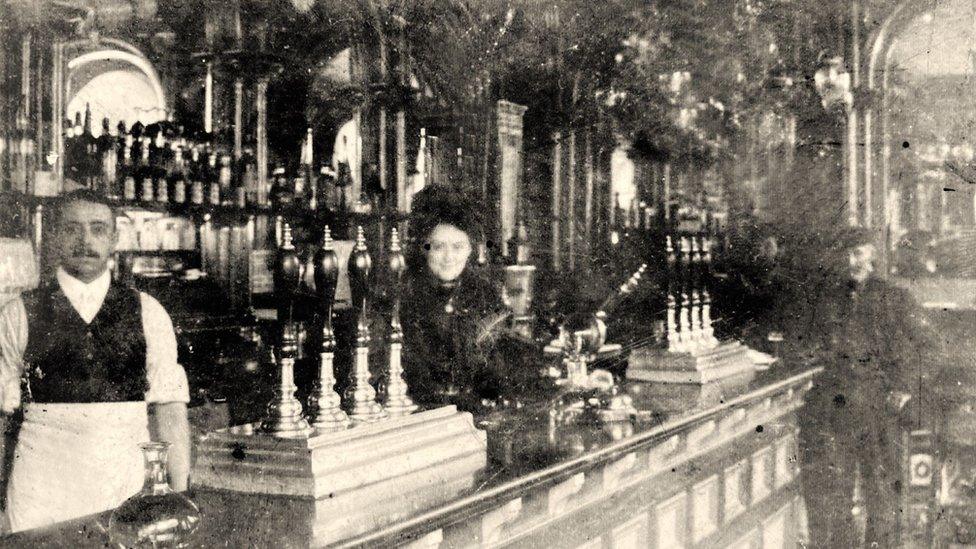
[(326, 264), (286, 275), (360, 265)]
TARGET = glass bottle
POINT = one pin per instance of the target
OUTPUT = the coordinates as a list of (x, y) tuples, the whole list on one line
[(156, 516)]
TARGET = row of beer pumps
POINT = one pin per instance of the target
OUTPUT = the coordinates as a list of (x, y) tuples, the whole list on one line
[(326, 410), (688, 317), (687, 329)]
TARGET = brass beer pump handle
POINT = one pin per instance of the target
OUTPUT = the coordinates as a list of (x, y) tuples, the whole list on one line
[(397, 266), (324, 404), (360, 396), (326, 264), (393, 391), (284, 416), (360, 267)]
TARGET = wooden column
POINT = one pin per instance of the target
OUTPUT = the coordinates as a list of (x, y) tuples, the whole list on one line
[(26, 44), (557, 191), (611, 198), (666, 195), (39, 162), (401, 131), (382, 161), (508, 168), (57, 110), (238, 118), (854, 195), (570, 212), (261, 134), (208, 98), (401, 161), (588, 199)]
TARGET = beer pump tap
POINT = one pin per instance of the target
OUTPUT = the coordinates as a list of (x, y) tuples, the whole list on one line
[(708, 332), (393, 390), (684, 306), (284, 417), (695, 321), (324, 403), (671, 304), (360, 396)]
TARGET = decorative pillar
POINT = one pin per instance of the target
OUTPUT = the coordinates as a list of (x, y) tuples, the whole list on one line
[(508, 167), (208, 98), (588, 199), (382, 161), (401, 161), (238, 117), (557, 190), (261, 136), (57, 111), (571, 202)]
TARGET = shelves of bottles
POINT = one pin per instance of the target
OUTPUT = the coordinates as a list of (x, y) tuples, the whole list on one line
[(292, 214)]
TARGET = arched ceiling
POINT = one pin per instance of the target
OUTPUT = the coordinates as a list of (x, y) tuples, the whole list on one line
[(938, 42)]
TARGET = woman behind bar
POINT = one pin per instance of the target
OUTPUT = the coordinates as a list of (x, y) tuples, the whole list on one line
[(456, 345)]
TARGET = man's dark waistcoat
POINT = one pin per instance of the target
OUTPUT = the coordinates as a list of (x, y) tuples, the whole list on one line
[(70, 361)]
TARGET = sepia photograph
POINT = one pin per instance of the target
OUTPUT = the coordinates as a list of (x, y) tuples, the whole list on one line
[(431, 274)]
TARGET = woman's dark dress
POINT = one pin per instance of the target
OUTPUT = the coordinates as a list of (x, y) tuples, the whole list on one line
[(463, 348)]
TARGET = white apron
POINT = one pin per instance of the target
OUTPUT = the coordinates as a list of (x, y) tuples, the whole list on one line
[(73, 460)]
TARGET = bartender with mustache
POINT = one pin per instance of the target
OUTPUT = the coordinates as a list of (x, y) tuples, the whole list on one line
[(98, 367)]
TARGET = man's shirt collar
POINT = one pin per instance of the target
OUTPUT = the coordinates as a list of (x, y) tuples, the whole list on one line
[(87, 299)]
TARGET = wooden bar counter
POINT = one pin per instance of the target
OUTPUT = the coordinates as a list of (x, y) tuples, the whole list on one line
[(714, 475)]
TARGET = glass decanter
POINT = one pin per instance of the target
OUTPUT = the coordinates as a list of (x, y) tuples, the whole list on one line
[(156, 516)]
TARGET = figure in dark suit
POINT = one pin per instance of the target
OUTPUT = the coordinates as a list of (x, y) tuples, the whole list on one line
[(876, 350)]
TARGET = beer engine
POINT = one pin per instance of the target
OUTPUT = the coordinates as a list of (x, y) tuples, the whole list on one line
[(360, 397), (581, 342), (393, 389), (324, 403), (708, 331), (359, 465), (284, 418), (689, 352)]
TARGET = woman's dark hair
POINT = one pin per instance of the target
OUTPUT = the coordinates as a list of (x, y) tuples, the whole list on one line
[(438, 205)]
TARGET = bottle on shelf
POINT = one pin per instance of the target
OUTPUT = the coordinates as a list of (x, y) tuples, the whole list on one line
[(225, 178), (282, 194), (77, 130), (109, 155), (306, 190), (196, 177), (343, 179), (90, 144), (123, 166), (21, 151), (178, 172), (327, 186), (212, 180), (248, 178)]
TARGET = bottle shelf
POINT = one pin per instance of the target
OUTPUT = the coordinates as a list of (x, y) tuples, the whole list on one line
[(229, 213)]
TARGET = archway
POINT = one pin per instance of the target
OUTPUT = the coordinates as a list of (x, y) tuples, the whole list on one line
[(112, 76), (917, 169)]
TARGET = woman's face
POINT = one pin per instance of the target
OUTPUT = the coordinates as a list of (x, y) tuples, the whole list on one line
[(448, 249)]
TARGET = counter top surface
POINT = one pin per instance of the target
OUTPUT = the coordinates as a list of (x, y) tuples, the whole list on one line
[(528, 447)]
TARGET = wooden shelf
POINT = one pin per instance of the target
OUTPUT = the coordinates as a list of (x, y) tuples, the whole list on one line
[(294, 215)]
